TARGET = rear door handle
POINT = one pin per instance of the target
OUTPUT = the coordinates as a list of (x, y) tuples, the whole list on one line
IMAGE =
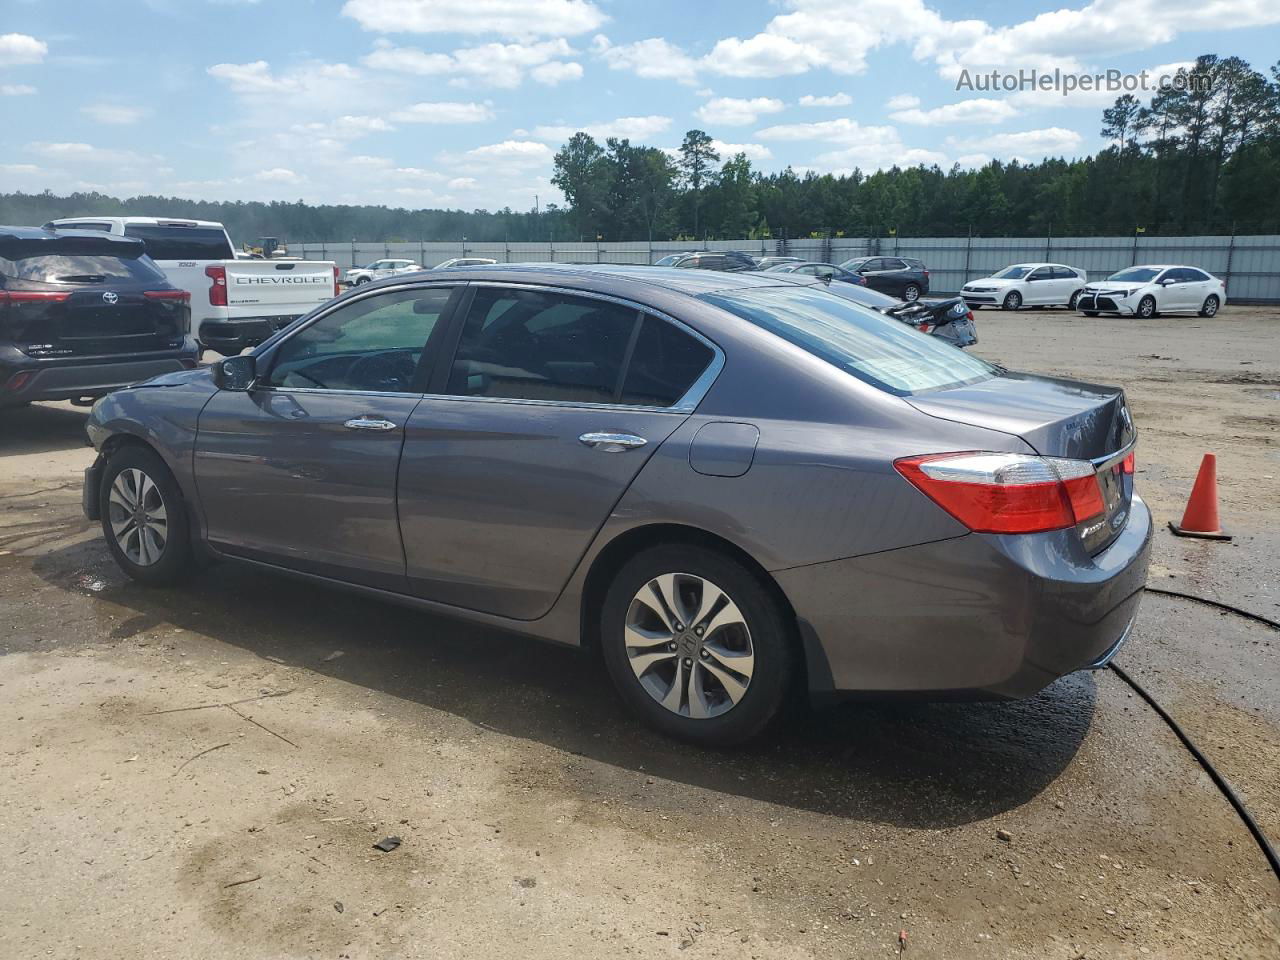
[(613, 442), (369, 423)]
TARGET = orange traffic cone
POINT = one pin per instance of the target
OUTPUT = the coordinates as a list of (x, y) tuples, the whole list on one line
[(1200, 519)]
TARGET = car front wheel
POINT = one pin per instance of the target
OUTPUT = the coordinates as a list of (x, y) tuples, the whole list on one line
[(697, 646), (1147, 307), (143, 518), (1012, 300)]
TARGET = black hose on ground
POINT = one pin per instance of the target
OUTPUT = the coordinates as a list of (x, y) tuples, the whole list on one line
[(1232, 797), (1215, 604)]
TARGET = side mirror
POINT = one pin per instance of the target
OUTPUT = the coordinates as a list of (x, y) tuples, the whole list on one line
[(235, 373)]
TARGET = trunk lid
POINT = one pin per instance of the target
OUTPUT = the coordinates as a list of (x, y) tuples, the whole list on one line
[(1058, 418), (89, 323)]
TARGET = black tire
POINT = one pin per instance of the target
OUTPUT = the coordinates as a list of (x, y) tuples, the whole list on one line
[(175, 560), (360, 280), (911, 292), (772, 642), (1210, 306), (1074, 301), (1012, 300), (1147, 308), (1090, 313)]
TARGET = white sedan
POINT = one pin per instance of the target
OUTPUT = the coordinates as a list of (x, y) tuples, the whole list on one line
[(1153, 289), (379, 269), (464, 262), (1027, 285)]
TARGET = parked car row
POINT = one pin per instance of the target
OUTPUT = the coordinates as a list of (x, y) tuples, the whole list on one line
[(1138, 291)]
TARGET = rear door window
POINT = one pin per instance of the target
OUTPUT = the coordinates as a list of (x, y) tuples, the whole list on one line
[(665, 363), (874, 348), (182, 243)]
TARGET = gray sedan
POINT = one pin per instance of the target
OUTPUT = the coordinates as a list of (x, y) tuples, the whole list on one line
[(730, 486)]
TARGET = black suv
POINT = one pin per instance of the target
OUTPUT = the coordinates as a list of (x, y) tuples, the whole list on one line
[(730, 261), (82, 313), (900, 277)]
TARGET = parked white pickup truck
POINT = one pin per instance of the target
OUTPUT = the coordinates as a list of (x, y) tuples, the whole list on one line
[(234, 303)]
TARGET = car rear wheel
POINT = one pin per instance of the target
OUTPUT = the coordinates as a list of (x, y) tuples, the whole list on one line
[(911, 293), (1090, 313), (1012, 300), (696, 645), (1147, 307), (1210, 306), (360, 280), (144, 518), (1075, 300)]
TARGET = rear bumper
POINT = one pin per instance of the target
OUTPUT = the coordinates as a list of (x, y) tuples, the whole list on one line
[(977, 617), (23, 379), (229, 337)]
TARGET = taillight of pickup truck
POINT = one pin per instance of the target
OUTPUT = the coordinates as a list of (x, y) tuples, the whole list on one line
[(218, 288)]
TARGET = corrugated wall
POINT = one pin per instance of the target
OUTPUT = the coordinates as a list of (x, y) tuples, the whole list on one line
[(1250, 265)]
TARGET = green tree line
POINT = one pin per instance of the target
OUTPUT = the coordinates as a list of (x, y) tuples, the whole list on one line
[(1200, 157)]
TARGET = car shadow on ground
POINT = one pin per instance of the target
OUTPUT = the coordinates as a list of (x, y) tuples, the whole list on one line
[(41, 428), (907, 764)]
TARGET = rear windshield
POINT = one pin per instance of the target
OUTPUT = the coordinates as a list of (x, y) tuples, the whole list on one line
[(182, 243), (81, 268), (884, 352)]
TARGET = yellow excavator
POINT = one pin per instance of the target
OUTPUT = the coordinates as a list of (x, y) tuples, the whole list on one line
[(267, 248)]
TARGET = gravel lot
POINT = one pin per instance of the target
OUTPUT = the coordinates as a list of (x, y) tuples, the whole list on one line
[(203, 772)]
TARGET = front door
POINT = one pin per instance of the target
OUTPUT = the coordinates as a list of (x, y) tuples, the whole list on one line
[(301, 470), (553, 403)]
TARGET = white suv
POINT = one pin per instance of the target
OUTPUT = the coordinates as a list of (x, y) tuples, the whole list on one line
[(1027, 285), (1153, 289), (379, 269)]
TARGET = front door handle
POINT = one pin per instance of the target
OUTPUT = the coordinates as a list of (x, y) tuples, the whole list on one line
[(369, 423), (613, 442)]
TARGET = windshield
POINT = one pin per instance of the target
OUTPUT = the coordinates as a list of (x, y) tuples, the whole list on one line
[(1135, 275), (668, 260), (1012, 273), (882, 351)]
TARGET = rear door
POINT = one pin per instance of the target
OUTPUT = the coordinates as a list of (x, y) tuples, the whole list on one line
[(301, 470), (551, 405)]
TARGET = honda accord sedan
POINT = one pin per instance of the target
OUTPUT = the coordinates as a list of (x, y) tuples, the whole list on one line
[(730, 486)]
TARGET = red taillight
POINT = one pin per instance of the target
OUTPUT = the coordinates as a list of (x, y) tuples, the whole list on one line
[(1007, 492), (18, 381), (335, 279), (166, 294), (31, 296), (1127, 465), (218, 288)]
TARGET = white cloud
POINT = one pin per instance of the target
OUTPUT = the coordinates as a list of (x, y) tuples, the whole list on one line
[(463, 183), (511, 18), (1033, 145), (978, 110), (115, 114), (624, 128), (903, 101), (732, 112), (444, 113), (761, 56), (277, 175), (491, 64), (555, 72), (655, 59), (309, 84), (835, 100), (842, 130), (346, 127), (18, 48), (16, 90), (521, 153), (756, 152)]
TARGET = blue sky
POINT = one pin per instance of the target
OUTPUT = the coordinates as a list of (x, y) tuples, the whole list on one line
[(462, 103)]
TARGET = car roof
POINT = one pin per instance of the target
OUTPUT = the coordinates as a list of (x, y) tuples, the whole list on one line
[(37, 235), (141, 221), (689, 282)]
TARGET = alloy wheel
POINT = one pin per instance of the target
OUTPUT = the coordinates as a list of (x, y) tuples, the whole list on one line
[(689, 645), (139, 519)]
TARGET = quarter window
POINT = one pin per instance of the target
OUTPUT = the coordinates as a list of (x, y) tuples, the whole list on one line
[(664, 365), (372, 344)]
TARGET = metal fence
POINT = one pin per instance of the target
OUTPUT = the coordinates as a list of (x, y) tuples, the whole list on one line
[(1250, 265)]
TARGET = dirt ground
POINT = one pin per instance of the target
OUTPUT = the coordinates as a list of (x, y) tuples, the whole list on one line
[(203, 772)]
